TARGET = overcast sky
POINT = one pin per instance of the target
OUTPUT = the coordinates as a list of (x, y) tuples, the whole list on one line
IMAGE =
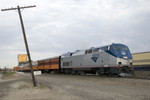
[(55, 27)]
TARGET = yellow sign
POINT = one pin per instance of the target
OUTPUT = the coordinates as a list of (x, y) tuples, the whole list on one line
[(22, 58)]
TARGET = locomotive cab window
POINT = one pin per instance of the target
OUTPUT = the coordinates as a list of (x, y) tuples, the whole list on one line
[(106, 48), (88, 51), (120, 48)]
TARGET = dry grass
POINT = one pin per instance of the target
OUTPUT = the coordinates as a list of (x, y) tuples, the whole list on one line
[(142, 74), (29, 86), (8, 75)]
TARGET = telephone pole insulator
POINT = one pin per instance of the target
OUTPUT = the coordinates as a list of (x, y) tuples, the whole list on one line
[(24, 35)]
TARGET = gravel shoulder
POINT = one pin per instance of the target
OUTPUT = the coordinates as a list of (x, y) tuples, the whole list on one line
[(69, 87)]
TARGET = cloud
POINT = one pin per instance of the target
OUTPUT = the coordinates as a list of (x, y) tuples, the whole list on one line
[(54, 27)]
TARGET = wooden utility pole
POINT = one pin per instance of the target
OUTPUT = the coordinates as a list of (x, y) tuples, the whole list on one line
[(24, 35)]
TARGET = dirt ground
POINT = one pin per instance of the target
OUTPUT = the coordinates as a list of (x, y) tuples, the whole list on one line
[(142, 74), (69, 87)]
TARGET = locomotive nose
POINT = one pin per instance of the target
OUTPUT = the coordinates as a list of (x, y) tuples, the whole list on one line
[(121, 51)]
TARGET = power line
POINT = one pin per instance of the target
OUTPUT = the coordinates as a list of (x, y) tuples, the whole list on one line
[(24, 35), (17, 8)]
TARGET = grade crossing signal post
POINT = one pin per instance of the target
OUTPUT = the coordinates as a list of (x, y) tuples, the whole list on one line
[(25, 39)]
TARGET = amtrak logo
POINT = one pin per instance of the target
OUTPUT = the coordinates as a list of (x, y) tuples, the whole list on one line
[(95, 57)]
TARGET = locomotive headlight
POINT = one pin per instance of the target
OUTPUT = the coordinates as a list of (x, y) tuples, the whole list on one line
[(125, 57), (120, 59)]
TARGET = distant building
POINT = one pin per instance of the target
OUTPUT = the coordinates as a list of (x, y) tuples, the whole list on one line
[(141, 61)]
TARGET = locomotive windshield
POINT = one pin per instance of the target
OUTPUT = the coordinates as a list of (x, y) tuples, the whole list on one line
[(120, 48)]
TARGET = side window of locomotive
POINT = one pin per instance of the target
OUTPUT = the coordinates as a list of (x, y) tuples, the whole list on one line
[(88, 51), (67, 63), (106, 48)]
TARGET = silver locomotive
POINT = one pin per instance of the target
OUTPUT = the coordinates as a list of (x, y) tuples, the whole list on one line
[(114, 59)]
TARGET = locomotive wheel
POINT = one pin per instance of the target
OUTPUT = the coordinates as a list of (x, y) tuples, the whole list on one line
[(110, 75), (73, 72), (99, 72)]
